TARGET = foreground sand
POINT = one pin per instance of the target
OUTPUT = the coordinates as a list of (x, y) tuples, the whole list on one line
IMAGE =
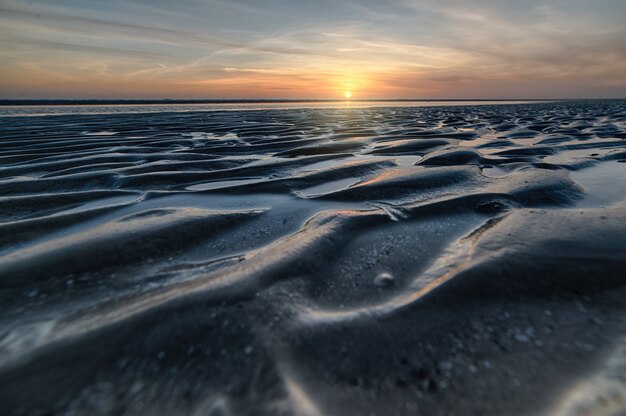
[(419, 261)]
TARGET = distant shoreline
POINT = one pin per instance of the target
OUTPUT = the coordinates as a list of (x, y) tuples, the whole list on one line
[(39, 102)]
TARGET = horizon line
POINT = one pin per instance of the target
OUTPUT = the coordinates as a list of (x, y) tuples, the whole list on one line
[(134, 101)]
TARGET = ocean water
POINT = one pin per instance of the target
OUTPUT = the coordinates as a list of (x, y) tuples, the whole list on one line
[(39, 110)]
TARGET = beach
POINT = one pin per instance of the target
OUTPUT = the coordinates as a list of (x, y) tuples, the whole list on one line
[(302, 260)]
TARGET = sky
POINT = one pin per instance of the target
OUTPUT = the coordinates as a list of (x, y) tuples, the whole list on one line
[(319, 49)]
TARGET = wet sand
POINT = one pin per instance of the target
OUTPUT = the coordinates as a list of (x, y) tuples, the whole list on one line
[(461, 260)]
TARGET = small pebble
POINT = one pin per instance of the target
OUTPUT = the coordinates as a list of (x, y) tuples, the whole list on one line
[(384, 280)]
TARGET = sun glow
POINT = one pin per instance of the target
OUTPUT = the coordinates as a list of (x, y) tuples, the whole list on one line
[(347, 94)]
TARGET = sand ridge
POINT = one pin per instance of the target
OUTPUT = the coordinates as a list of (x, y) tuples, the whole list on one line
[(332, 261)]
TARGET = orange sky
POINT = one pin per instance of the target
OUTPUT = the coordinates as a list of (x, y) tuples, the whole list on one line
[(293, 49)]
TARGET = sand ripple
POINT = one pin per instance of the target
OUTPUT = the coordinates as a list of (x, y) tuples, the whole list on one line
[(436, 260)]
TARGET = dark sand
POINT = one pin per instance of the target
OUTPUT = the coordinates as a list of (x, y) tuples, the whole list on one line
[(374, 261)]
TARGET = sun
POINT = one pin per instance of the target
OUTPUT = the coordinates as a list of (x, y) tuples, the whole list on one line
[(347, 94)]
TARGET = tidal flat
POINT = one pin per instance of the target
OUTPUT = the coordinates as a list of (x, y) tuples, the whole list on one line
[(351, 260)]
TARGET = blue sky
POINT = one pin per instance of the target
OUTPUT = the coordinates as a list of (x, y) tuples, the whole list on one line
[(312, 49)]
